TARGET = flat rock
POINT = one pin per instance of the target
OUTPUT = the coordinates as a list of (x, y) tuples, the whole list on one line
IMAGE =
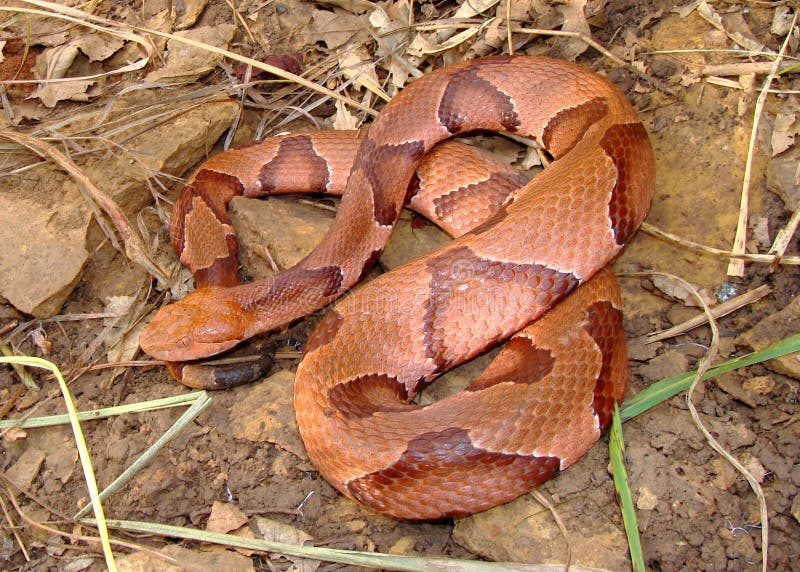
[(279, 229), (43, 228), (285, 230), (47, 228), (264, 412), (524, 531), (776, 327)]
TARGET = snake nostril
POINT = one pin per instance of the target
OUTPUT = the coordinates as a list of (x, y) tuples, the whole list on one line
[(184, 342)]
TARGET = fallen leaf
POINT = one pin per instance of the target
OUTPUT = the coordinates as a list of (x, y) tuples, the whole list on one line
[(54, 63), (575, 21), (783, 132), (335, 29), (187, 62), (225, 517), (677, 291), (356, 64), (344, 120), (123, 343)]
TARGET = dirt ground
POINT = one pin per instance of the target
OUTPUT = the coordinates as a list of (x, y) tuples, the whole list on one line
[(241, 458)]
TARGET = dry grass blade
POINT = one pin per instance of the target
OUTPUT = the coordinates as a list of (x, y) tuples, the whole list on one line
[(134, 247), (83, 452), (702, 367), (356, 558), (736, 266), (14, 530), (682, 242), (742, 68)]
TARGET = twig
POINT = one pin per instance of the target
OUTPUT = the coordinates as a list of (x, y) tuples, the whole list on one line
[(545, 502), (742, 68), (781, 242), (717, 312)]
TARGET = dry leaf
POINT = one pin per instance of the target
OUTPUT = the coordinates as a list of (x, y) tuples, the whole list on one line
[(735, 29), (98, 47), (275, 531), (335, 29), (574, 21), (225, 517), (783, 132), (53, 63), (466, 10), (421, 46), (344, 120), (392, 28), (186, 62), (493, 38), (123, 343), (781, 20), (356, 64), (677, 291), (191, 11)]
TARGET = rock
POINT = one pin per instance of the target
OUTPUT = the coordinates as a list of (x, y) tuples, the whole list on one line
[(43, 231), (26, 468), (731, 384), (410, 241), (47, 228), (776, 327), (225, 517), (671, 362), (286, 230), (505, 533), (279, 228), (265, 412)]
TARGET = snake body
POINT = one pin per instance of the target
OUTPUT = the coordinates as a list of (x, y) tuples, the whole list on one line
[(547, 396)]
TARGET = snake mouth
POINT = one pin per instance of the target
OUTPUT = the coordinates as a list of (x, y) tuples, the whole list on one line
[(198, 326), (184, 349)]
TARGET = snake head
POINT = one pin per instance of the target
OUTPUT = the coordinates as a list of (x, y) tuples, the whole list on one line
[(202, 324)]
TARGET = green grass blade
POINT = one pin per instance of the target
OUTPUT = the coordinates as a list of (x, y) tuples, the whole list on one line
[(671, 386), (616, 450)]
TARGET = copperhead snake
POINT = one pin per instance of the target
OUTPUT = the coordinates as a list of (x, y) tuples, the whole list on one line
[(548, 395)]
